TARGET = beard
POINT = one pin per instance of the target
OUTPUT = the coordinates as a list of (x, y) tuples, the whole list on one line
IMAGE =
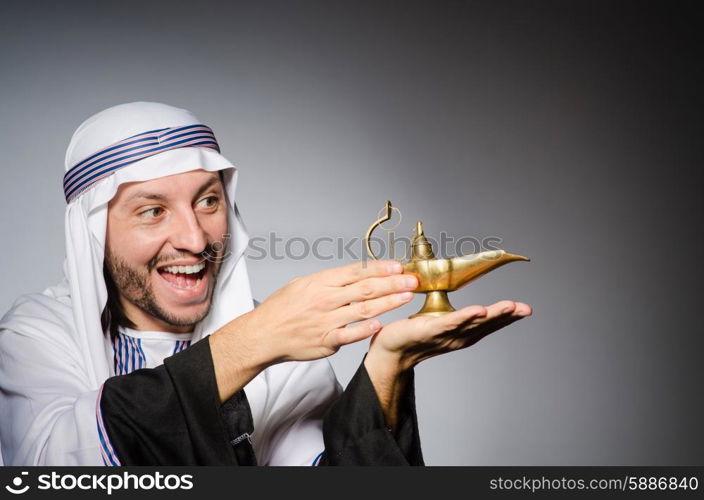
[(134, 285)]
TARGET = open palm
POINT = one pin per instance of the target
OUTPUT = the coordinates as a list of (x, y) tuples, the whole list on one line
[(423, 337)]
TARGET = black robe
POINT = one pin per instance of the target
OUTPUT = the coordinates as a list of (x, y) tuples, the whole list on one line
[(172, 415)]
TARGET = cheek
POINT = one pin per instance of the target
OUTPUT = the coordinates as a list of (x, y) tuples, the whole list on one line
[(136, 248), (216, 227)]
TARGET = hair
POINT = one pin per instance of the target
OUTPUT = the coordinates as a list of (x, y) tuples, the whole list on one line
[(113, 315)]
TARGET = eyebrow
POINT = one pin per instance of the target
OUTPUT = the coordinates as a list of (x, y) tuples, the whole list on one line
[(206, 185), (156, 196), (146, 195)]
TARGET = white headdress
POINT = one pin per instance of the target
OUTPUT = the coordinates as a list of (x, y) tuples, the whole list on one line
[(108, 140)]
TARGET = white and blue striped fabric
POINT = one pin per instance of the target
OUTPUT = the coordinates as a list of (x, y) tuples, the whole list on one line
[(181, 345), (105, 162), (129, 355)]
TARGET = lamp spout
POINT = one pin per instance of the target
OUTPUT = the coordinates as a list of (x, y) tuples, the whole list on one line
[(468, 268)]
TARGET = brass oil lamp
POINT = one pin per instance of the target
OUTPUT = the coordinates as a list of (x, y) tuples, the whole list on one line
[(438, 276)]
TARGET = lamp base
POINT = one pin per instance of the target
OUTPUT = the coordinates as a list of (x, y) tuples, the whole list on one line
[(436, 304)]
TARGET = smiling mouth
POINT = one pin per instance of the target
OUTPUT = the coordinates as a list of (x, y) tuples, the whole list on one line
[(185, 277)]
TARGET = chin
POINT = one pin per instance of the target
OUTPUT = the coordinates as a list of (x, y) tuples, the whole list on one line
[(191, 315), (183, 316)]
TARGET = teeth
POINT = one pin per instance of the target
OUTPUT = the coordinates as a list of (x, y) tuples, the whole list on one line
[(190, 287), (187, 287), (185, 269)]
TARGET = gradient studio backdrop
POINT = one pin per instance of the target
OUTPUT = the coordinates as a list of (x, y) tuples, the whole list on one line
[(564, 128)]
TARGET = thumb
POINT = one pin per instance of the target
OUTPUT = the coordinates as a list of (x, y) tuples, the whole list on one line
[(351, 334)]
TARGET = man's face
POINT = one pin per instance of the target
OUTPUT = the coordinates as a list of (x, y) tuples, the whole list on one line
[(158, 236)]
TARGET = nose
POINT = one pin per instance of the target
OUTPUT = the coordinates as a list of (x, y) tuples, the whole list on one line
[(187, 234)]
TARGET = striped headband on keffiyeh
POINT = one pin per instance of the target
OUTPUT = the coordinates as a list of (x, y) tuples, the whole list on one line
[(105, 162)]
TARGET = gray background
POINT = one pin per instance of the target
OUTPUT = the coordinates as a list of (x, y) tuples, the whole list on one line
[(567, 129)]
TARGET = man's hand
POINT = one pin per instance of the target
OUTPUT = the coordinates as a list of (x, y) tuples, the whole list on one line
[(307, 319), (401, 345)]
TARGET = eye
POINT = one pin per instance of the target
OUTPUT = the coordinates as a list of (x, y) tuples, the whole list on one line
[(152, 213), (209, 202)]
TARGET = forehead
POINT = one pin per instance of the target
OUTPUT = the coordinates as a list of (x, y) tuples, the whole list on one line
[(185, 184)]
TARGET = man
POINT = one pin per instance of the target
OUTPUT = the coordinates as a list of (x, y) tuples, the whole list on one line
[(151, 351)]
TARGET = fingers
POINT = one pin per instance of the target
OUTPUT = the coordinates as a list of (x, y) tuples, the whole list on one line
[(498, 316), (455, 319), (480, 319), (351, 273), (508, 307), (504, 307), (372, 288), (367, 309), (351, 334), (523, 310)]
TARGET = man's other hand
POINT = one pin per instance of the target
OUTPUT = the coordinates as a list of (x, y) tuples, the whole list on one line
[(401, 345), (407, 342)]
